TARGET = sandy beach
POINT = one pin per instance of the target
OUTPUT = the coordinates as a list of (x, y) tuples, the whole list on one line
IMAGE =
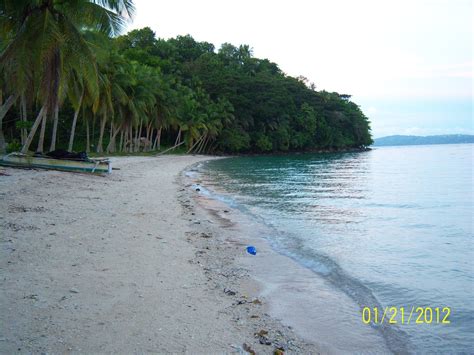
[(126, 263)]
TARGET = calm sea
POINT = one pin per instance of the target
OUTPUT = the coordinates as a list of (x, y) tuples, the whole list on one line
[(388, 227)]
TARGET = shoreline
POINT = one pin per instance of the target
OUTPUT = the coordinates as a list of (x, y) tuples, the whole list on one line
[(284, 153), (114, 264), (295, 295)]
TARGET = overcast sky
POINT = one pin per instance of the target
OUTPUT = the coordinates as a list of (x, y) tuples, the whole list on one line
[(408, 64)]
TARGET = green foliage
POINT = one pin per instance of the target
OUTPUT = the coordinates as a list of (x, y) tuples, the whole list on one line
[(281, 139), (13, 146), (234, 140), (135, 92), (263, 143), (23, 124)]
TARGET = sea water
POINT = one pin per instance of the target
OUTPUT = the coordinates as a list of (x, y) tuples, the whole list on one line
[(390, 227)]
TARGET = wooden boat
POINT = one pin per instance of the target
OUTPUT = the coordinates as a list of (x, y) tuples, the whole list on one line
[(89, 165)]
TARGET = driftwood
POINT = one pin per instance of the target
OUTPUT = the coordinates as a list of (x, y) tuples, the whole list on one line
[(167, 150)]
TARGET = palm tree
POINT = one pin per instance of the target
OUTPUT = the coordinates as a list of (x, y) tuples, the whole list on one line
[(46, 44), (76, 97), (221, 114), (103, 106)]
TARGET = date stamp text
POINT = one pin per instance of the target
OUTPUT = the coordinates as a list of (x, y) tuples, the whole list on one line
[(406, 315)]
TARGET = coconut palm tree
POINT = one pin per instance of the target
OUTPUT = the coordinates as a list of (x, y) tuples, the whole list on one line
[(46, 44), (76, 97), (103, 106)]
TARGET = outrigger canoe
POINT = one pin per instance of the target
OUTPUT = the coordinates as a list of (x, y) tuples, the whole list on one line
[(88, 165)]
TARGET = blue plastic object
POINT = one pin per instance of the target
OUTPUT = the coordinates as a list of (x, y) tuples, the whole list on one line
[(251, 250)]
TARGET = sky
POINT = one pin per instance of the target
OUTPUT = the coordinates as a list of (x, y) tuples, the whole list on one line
[(408, 64)]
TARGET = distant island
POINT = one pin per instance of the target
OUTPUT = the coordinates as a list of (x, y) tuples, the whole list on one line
[(421, 140)]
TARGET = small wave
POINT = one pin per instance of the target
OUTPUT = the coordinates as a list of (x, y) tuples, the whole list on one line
[(395, 338), (326, 267)]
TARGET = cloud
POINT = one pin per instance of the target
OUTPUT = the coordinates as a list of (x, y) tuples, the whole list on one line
[(371, 110)]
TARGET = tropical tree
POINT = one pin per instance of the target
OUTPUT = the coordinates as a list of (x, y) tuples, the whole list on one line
[(45, 43), (136, 92)]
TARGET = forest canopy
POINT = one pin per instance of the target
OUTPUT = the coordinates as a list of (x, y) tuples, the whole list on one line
[(82, 87)]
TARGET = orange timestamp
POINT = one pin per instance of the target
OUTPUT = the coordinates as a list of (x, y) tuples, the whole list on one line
[(406, 315)]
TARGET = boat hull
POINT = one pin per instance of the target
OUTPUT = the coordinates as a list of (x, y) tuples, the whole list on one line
[(25, 161)]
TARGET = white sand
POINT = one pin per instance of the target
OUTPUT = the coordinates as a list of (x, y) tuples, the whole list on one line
[(120, 264)]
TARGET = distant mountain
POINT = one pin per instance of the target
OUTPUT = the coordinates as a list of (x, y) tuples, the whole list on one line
[(419, 140)]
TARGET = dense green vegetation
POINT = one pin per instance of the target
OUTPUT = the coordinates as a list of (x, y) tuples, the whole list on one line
[(66, 74)]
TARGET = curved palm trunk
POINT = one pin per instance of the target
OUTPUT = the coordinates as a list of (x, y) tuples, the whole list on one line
[(3, 111), (201, 146), (131, 138), (149, 134), (40, 147), (157, 144), (158, 140), (29, 139), (121, 141), (195, 144), (7, 106), (101, 135), (93, 126), (88, 141), (125, 139), (55, 128), (169, 149), (111, 145), (178, 138), (74, 122), (24, 115), (138, 136), (149, 138)]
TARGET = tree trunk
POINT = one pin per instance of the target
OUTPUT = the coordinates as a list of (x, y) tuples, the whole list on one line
[(101, 135), (153, 146), (150, 139), (202, 145), (74, 122), (178, 138), (205, 147), (29, 139), (24, 115), (135, 141), (128, 142), (111, 145), (55, 128), (121, 141), (7, 105), (149, 130), (195, 144), (88, 142), (3, 111), (158, 139), (93, 127), (173, 147), (131, 139), (125, 139), (40, 147), (139, 136)]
